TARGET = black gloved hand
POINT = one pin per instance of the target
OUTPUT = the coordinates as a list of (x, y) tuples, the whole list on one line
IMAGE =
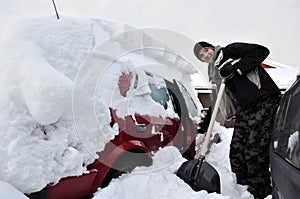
[(227, 71)]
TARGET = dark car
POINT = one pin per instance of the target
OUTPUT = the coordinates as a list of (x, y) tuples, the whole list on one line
[(285, 151)]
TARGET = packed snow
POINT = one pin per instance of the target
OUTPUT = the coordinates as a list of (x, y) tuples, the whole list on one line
[(40, 142)]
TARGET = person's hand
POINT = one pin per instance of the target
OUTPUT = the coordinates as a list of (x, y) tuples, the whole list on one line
[(227, 71)]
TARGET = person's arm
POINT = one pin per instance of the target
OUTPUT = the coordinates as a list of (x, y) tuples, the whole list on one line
[(250, 55)]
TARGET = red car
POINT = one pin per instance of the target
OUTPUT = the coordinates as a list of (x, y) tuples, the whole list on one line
[(136, 141)]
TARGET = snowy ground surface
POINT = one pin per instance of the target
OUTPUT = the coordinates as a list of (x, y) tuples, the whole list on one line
[(39, 144)]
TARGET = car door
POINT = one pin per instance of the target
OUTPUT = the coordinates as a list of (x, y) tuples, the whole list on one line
[(285, 151)]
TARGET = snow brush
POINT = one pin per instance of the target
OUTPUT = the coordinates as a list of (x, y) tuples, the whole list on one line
[(197, 173)]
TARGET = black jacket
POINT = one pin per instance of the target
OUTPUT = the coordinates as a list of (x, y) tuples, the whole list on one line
[(250, 57)]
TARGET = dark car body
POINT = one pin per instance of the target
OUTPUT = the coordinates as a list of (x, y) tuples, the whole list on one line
[(285, 146)]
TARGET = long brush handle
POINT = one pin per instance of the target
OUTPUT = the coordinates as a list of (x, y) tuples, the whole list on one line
[(212, 120)]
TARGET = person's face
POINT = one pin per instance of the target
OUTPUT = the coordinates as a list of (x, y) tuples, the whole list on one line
[(206, 55)]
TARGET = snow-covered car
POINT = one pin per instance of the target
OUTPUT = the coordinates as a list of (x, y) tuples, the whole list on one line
[(80, 116), (285, 149), (139, 135)]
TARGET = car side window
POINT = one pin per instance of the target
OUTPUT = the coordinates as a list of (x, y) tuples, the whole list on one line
[(287, 125)]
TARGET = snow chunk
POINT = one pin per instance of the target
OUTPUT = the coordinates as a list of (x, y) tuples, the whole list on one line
[(8, 191)]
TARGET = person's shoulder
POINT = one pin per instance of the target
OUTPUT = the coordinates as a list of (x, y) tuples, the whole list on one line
[(244, 46), (237, 44)]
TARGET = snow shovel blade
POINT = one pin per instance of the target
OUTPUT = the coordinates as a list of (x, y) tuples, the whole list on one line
[(207, 179), (197, 173)]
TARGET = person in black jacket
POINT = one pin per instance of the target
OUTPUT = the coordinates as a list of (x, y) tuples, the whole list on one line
[(257, 98)]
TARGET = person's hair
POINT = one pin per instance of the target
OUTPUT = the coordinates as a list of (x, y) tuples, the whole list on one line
[(202, 44)]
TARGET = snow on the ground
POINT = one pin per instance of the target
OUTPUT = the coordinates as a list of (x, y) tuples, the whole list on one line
[(39, 141), (159, 180)]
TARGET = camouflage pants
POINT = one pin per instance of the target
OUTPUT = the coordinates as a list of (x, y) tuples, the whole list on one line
[(249, 149)]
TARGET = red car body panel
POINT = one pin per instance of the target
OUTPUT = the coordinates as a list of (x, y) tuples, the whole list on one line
[(128, 139)]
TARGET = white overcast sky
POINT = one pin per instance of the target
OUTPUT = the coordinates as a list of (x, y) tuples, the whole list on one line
[(273, 23)]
